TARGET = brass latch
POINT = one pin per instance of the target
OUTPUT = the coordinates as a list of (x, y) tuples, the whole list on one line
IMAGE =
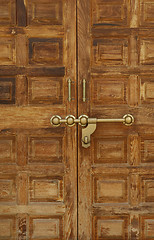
[(89, 124)]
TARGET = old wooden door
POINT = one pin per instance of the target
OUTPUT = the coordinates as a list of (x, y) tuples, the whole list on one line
[(37, 175), (116, 173), (40, 197)]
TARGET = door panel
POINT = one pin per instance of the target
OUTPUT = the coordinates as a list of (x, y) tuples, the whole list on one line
[(115, 174), (38, 186)]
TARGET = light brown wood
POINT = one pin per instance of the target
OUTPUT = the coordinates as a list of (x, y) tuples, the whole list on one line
[(115, 174), (50, 186), (38, 175)]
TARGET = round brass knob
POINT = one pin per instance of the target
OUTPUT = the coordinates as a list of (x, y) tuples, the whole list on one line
[(55, 121), (128, 119), (83, 120), (70, 120)]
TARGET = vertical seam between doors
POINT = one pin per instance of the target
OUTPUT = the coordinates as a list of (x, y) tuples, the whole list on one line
[(77, 90)]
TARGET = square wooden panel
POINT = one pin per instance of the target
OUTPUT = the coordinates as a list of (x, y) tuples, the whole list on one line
[(46, 189), (45, 12), (109, 149), (110, 188), (107, 90), (7, 90), (147, 188), (45, 150), (147, 227), (146, 46), (46, 51), (147, 149), (110, 13), (8, 150), (8, 227), (46, 227), (147, 89), (147, 12), (7, 12), (7, 53), (110, 51), (45, 90), (8, 187), (110, 227)]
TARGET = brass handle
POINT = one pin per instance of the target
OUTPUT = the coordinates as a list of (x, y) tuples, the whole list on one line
[(83, 120), (84, 90), (69, 90), (88, 124)]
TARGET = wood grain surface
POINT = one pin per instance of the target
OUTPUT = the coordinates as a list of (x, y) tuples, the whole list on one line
[(38, 167), (115, 175), (51, 188)]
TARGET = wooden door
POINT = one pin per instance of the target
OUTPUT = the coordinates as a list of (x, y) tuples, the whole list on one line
[(38, 185), (116, 173)]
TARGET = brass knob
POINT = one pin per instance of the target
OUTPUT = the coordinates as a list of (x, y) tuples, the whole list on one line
[(70, 120), (128, 119), (55, 121), (83, 120)]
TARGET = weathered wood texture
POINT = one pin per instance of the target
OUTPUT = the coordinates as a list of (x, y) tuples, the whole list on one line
[(38, 164), (116, 174), (38, 186)]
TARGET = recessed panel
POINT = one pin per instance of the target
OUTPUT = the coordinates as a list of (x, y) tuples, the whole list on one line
[(110, 51), (45, 12), (109, 90), (110, 12), (147, 89), (47, 227), (7, 12), (45, 90), (49, 189), (7, 188), (147, 51), (110, 150), (7, 53), (7, 227), (147, 10), (110, 189), (46, 51), (45, 149), (147, 226), (7, 150), (7, 90), (147, 149), (110, 227), (147, 188)]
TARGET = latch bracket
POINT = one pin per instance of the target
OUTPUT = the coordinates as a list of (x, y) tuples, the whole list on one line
[(86, 133)]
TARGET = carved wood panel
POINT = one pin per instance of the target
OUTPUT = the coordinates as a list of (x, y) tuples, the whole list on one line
[(37, 175), (116, 181)]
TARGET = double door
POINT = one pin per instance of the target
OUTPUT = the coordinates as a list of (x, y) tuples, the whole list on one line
[(84, 57)]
